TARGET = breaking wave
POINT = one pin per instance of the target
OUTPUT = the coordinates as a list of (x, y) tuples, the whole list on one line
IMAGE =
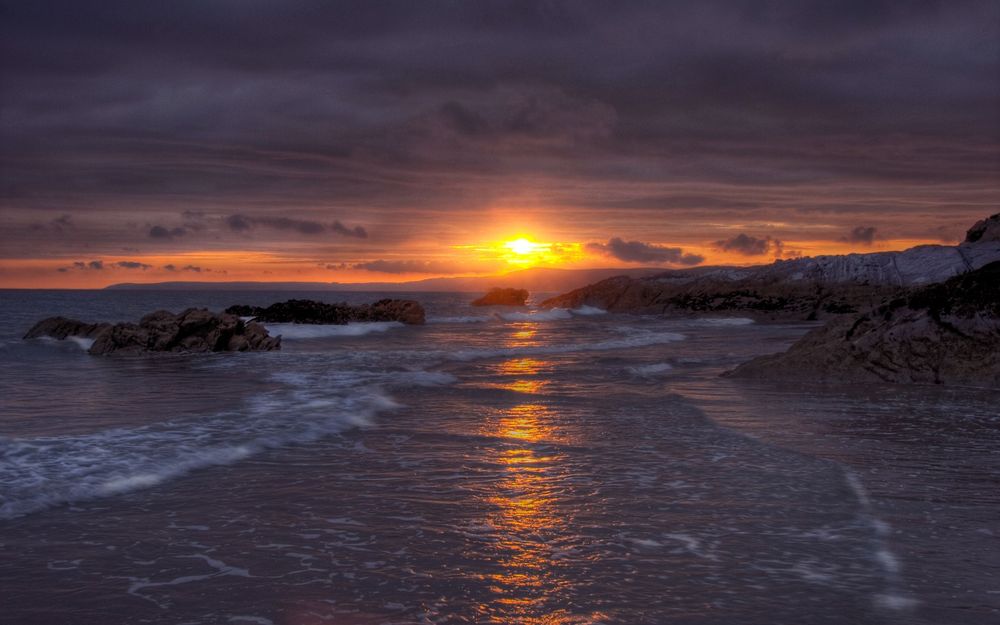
[(726, 321), (650, 371), (633, 341), (39, 473)]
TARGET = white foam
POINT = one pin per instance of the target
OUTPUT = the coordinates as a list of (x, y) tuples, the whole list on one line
[(726, 321), (316, 331), (649, 371), (84, 343), (43, 472), (552, 314), (587, 311), (459, 319), (633, 341)]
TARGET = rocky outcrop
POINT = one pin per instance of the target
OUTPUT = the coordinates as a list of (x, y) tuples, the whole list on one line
[(802, 288), (194, 330), (502, 297), (61, 328), (942, 334), (310, 311), (985, 231)]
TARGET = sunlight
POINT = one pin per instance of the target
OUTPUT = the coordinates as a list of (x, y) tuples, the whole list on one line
[(522, 246)]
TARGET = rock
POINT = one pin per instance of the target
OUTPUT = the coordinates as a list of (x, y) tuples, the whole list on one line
[(941, 334), (802, 288), (310, 311), (984, 231), (194, 330), (61, 327), (502, 297)]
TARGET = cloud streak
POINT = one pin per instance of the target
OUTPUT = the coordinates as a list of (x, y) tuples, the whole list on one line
[(243, 223)]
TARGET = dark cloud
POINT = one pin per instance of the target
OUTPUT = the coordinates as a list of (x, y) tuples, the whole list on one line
[(240, 223), (415, 116), (751, 245), (160, 232), (356, 231), (864, 235), (192, 268), (131, 264), (639, 252), (94, 265), (59, 224)]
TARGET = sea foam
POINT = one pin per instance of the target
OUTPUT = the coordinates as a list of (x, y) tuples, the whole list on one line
[(627, 342), (42, 472)]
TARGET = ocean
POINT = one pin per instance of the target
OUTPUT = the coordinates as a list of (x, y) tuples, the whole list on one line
[(521, 467)]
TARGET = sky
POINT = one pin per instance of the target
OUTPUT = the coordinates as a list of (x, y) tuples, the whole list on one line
[(387, 141)]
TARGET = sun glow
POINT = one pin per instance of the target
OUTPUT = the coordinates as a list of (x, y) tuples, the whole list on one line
[(524, 251), (523, 246)]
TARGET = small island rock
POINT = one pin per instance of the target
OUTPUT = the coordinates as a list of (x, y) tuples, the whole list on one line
[(502, 297)]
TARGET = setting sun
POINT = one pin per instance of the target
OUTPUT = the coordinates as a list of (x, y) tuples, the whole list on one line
[(522, 246)]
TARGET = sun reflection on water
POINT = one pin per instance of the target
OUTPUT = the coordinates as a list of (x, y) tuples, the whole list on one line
[(525, 518)]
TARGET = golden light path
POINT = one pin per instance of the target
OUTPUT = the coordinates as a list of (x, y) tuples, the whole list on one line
[(525, 500)]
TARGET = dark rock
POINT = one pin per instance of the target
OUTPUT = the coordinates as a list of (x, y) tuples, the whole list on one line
[(194, 330), (984, 231), (310, 311), (946, 333), (61, 327), (502, 297)]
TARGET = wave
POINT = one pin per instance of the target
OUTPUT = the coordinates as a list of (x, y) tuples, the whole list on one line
[(40, 473), (649, 371), (84, 343), (552, 314), (726, 321), (459, 319), (628, 342), (588, 311), (316, 331)]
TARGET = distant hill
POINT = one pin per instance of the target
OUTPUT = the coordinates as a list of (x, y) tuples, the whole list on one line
[(538, 279)]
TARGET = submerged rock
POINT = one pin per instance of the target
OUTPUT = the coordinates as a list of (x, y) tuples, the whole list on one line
[(194, 330), (803, 288), (310, 311), (942, 334), (502, 297)]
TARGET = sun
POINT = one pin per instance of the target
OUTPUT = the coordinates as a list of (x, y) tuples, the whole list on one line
[(523, 246)]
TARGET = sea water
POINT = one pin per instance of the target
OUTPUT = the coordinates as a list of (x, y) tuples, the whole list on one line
[(518, 466)]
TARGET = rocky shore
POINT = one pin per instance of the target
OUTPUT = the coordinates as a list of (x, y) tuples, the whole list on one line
[(946, 333), (309, 311), (502, 297), (194, 330), (800, 289)]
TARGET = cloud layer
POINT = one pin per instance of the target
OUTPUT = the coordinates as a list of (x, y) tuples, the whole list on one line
[(205, 124)]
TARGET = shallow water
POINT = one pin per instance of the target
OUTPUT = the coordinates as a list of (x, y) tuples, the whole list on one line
[(515, 466)]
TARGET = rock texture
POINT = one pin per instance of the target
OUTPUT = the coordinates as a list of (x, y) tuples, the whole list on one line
[(502, 297), (309, 311), (804, 288), (194, 330), (61, 328), (942, 334)]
